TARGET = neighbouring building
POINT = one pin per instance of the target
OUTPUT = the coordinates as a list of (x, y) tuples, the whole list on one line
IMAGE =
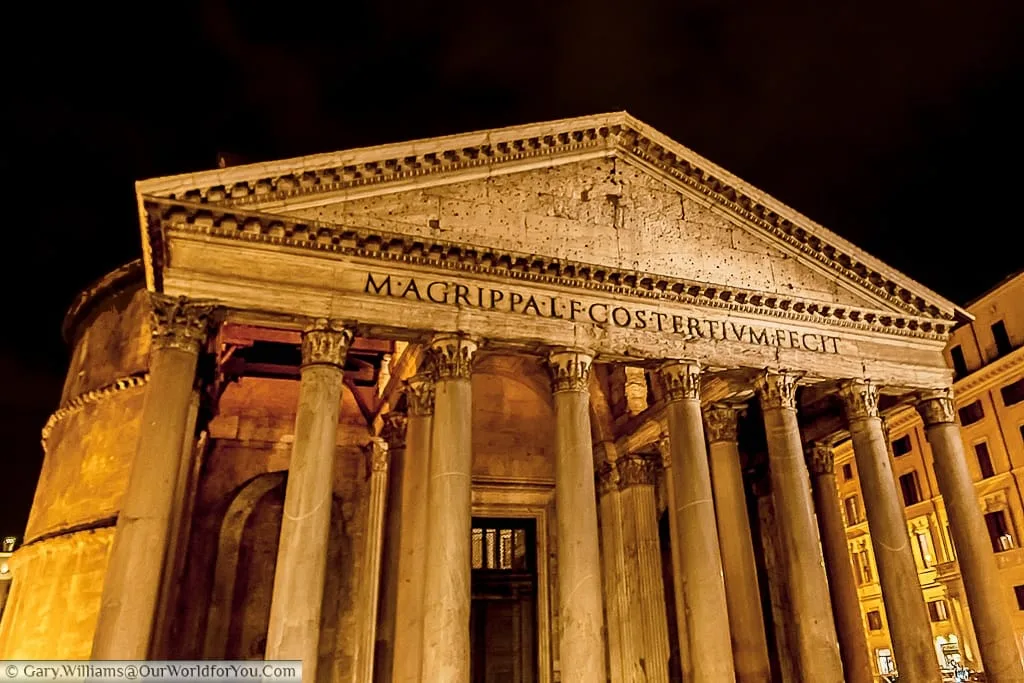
[(551, 402), (987, 357)]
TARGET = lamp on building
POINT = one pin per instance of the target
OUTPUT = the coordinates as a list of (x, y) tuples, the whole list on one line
[(8, 544)]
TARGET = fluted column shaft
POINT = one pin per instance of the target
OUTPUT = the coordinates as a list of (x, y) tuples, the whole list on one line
[(982, 583), (297, 599), (897, 572), (703, 584), (131, 588), (746, 624), (410, 507), (582, 648), (853, 644), (370, 575), (447, 591), (814, 632), (613, 564), (642, 550)]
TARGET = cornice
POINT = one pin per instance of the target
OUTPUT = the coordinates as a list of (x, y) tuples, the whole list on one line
[(281, 231), (128, 273), (610, 135), (89, 397), (989, 374)]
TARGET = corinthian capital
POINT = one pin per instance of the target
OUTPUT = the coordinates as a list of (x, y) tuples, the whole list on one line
[(820, 459), (325, 343), (419, 394), (681, 380), (637, 470), (720, 420), (936, 406), (393, 430), (607, 478), (451, 356), (570, 370), (178, 323), (776, 390), (860, 399), (377, 455), (665, 450)]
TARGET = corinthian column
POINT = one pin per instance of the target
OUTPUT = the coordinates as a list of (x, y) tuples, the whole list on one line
[(642, 550), (373, 540), (703, 586), (410, 521), (446, 597), (580, 612), (679, 601), (131, 588), (295, 605), (982, 583), (616, 598), (897, 573), (749, 644), (814, 632), (853, 644)]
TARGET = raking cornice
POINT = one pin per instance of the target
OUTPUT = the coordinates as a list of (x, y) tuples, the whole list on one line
[(261, 186)]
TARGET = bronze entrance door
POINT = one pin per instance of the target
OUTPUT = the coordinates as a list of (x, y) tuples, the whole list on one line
[(503, 620)]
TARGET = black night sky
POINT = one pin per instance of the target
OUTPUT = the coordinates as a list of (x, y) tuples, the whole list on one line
[(896, 124)]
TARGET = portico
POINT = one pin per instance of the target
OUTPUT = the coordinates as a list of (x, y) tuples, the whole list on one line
[(548, 259)]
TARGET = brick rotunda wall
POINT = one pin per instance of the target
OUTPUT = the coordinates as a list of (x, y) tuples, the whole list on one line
[(88, 442)]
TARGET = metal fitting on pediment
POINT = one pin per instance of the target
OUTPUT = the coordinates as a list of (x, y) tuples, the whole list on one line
[(720, 422), (325, 342), (180, 323), (569, 370), (451, 356), (820, 458), (776, 389), (681, 380), (936, 406), (859, 398)]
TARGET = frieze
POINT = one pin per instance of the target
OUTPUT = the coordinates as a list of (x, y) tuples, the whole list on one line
[(777, 390), (936, 407), (325, 343), (570, 370), (437, 253), (178, 323), (94, 396), (859, 399), (619, 135), (681, 380), (452, 356)]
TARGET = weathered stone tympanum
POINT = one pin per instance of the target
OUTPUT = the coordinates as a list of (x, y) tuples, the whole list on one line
[(469, 409)]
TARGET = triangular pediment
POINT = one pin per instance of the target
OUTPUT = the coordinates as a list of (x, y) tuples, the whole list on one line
[(606, 191)]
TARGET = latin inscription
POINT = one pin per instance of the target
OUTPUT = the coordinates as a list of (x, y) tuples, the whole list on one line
[(574, 310)]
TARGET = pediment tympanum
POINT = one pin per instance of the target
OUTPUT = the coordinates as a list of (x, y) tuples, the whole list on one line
[(597, 232)]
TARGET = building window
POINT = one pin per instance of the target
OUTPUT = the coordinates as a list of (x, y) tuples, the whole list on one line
[(971, 413), (901, 446), (875, 620), (999, 531), (862, 563), (911, 488), (848, 471), (924, 545), (886, 664), (1002, 339), (937, 610), (1013, 393), (959, 362), (984, 460), (1019, 592), (502, 549), (852, 510)]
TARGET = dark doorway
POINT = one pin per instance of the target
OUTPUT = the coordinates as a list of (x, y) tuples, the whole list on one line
[(503, 620)]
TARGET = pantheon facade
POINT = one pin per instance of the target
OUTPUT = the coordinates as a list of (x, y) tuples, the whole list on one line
[(555, 402)]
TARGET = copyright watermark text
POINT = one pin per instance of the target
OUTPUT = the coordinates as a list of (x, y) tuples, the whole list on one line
[(152, 672)]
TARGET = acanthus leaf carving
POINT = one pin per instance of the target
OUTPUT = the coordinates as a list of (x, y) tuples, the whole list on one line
[(777, 390), (180, 323), (570, 370), (325, 343), (681, 380)]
